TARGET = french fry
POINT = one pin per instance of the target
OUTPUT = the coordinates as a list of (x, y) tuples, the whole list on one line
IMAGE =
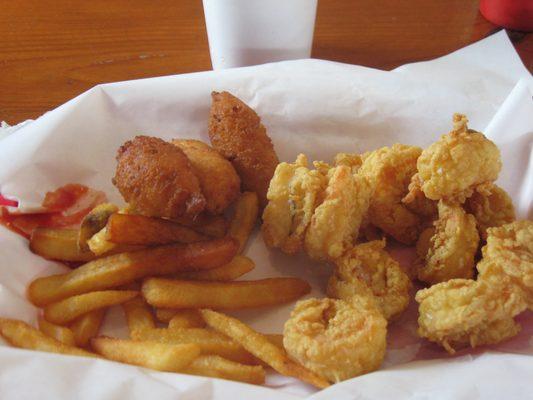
[(165, 314), (259, 345), (173, 293), (20, 334), (58, 244), (275, 338), (138, 229), (98, 243), (69, 309), (218, 367), (237, 267), (124, 268), (244, 218), (138, 314), (210, 342), (60, 333), (214, 226), (186, 319), (158, 356), (93, 222), (87, 326)]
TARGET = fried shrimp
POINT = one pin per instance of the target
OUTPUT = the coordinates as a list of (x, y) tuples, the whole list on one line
[(389, 170), (335, 223), (336, 339), (236, 132), (219, 182), (492, 207), (508, 258), (157, 179), (460, 160), (368, 270), (462, 312), (452, 247), (416, 201), (293, 194)]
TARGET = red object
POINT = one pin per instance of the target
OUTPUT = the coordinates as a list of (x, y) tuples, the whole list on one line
[(8, 203), (510, 14), (64, 207)]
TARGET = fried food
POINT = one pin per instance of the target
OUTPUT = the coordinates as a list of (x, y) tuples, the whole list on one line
[(158, 356), (236, 132), (508, 258), (244, 218), (58, 332), (416, 201), (186, 318), (173, 293), (69, 309), (335, 223), (491, 206), (463, 312), (124, 268), (368, 270), (452, 248), (20, 334), (218, 367), (58, 244), (237, 267), (138, 315), (336, 339), (94, 222), (389, 170), (261, 347), (157, 179), (87, 326), (210, 225), (354, 161), (293, 194), (218, 179), (459, 161)]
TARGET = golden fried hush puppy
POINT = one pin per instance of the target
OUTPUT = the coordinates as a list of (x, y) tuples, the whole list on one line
[(368, 270), (452, 247), (218, 179), (336, 339), (157, 180), (335, 223), (389, 171), (492, 207), (460, 160), (236, 132), (463, 312), (293, 194), (508, 258)]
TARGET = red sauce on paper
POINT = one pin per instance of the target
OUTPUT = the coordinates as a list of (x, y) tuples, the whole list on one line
[(62, 208)]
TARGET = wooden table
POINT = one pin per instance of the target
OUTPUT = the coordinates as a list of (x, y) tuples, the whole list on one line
[(52, 50)]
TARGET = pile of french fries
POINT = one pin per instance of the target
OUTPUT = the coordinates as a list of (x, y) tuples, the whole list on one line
[(168, 277)]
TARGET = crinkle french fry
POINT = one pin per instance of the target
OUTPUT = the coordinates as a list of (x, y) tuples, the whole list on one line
[(58, 332), (158, 356), (121, 269), (237, 267), (138, 314), (210, 342), (259, 345), (218, 367), (173, 293), (87, 326), (186, 318), (20, 334), (138, 229), (244, 218), (69, 309)]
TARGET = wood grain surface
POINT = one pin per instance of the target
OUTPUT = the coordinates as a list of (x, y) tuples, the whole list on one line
[(53, 50)]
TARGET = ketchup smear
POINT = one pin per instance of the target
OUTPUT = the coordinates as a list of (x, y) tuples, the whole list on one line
[(62, 208)]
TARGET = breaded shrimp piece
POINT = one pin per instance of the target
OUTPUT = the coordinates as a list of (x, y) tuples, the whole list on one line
[(335, 223), (389, 170), (416, 201), (491, 206), (336, 339), (368, 270), (294, 192), (353, 161), (218, 179), (452, 247), (236, 132), (508, 258), (460, 160), (463, 312), (157, 179)]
